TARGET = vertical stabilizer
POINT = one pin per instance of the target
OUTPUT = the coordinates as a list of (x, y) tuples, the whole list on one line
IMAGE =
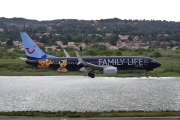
[(31, 49)]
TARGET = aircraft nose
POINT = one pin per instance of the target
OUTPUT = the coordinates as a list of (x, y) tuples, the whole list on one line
[(158, 64)]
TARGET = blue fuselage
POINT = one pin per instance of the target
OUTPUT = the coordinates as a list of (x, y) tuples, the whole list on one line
[(121, 62)]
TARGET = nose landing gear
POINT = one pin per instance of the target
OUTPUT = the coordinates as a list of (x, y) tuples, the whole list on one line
[(147, 74)]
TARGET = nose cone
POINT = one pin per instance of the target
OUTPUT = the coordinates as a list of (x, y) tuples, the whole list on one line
[(158, 64)]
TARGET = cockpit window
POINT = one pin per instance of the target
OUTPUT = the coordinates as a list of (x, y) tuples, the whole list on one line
[(152, 60)]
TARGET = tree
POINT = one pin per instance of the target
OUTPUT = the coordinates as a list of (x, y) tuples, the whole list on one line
[(80, 48), (91, 52), (171, 44), (113, 40), (118, 53), (157, 54), (9, 43), (99, 47)]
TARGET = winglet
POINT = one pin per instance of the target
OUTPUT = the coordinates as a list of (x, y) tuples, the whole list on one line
[(66, 53), (80, 59)]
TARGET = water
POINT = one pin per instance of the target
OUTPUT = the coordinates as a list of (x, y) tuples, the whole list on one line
[(80, 93)]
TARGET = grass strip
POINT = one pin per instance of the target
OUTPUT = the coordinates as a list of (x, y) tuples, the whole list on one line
[(93, 114)]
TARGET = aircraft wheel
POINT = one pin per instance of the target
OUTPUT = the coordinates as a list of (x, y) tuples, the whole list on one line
[(147, 75), (89, 74), (92, 75)]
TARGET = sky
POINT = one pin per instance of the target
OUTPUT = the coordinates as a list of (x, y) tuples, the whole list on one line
[(91, 9)]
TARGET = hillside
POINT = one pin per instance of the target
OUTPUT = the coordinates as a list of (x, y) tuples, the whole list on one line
[(105, 30)]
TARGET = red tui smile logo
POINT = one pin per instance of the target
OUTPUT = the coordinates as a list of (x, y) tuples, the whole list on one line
[(30, 52)]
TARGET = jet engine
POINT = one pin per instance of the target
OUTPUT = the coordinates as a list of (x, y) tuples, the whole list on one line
[(110, 70), (83, 69)]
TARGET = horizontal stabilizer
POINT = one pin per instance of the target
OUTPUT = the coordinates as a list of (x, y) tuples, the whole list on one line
[(23, 59)]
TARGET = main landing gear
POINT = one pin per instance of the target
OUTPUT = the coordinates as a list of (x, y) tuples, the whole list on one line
[(91, 74), (147, 74)]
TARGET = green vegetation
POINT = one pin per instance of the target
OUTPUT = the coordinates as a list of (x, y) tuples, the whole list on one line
[(89, 31), (93, 114)]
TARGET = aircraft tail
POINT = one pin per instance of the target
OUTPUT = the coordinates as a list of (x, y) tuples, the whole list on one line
[(32, 51)]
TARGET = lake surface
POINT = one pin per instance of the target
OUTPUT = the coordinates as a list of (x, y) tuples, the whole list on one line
[(81, 93)]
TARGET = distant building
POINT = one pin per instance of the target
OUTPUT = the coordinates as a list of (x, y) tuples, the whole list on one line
[(59, 43), (49, 28), (145, 47), (38, 43), (1, 30), (46, 34), (120, 44), (51, 48), (3, 43), (174, 48), (163, 43), (10, 49), (89, 35), (57, 34), (108, 45), (98, 35), (17, 43), (82, 44), (136, 38), (64, 46), (70, 43), (166, 35), (109, 35), (123, 37), (113, 48)]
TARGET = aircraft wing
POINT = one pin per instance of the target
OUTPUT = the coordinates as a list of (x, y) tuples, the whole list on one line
[(86, 64)]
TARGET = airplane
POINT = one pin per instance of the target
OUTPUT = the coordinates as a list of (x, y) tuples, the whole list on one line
[(103, 64)]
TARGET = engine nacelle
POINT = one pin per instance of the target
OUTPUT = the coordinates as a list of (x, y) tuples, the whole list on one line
[(83, 69), (110, 70)]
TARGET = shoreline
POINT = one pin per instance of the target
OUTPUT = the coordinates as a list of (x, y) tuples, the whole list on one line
[(93, 114), (121, 74)]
